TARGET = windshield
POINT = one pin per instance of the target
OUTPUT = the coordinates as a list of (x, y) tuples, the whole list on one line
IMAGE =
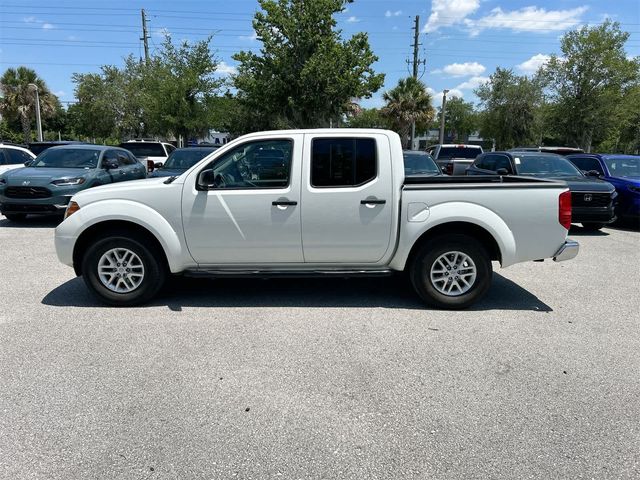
[(67, 158), (458, 152), (623, 166), (417, 163), (187, 158), (545, 165), (144, 149)]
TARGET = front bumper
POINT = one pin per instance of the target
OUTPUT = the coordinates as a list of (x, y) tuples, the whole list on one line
[(593, 214), (49, 205), (567, 251)]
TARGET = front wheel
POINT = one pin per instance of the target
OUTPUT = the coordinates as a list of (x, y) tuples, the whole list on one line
[(451, 271), (593, 227), (121, 270)]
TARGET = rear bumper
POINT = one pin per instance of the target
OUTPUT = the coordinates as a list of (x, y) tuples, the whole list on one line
[(567, 251)]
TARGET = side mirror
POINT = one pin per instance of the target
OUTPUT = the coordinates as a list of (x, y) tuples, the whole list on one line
[(592, 173), (502, 171), (28, 163), (443, 170), (158, 165), (110, 164), (205, 179)]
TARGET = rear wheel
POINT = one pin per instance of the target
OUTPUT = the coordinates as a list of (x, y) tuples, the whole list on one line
[(592, 227), (15, 217), (451, 271), (121, 270)]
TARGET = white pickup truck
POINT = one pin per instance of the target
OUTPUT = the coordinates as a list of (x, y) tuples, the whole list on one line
[(329, 203)]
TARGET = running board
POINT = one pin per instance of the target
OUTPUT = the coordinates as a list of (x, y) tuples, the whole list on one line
[(216, 273)]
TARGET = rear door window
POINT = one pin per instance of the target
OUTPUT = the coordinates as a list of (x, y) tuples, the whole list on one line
[(587, 164), (16, 157), (343, 162)]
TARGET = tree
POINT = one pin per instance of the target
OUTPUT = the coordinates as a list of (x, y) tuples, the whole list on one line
[(589, 81), (460, 118), (19, 99), (305, 74), (406, 103), (368, 118), (511, 109), (168, 95)]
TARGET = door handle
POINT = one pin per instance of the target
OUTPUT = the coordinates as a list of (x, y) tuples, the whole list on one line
[(372, 202), (283, 203)]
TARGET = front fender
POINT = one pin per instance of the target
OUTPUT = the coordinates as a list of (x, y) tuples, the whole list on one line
[(451, 212), (171, 239)]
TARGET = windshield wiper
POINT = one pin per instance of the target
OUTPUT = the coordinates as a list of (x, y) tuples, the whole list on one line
[(170, 179)]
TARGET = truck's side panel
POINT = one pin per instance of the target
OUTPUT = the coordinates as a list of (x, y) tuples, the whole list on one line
[(336, 226)]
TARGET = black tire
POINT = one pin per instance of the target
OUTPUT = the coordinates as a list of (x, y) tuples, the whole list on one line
[(593, 227), (423, 261), (155, 271), (15, 217)]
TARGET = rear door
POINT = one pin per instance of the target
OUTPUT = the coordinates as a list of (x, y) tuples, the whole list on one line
[(347, 198)]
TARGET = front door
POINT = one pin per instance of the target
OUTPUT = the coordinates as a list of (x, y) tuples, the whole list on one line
[(250, 212), (347, 199)]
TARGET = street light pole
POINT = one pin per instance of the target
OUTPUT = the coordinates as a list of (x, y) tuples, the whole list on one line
[(444, 104), (38, 118)]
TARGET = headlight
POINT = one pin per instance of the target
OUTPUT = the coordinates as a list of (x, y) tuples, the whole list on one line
[(633, 188), (72, 208), (69, 181)]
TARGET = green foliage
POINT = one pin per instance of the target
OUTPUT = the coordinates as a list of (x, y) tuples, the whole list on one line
[(19, 99), (167, 96), (406, 103), (511, 109), (460, 118), (591, 85), (305, 74), (368, 118)]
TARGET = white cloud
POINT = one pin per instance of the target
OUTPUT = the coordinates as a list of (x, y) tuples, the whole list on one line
[(436, 97), (463, 69), (47, 26), (253, 37), (30, 20), (226, 69), (389, 13), (59, 93), (534, 63), (472, 83), (353, 19), (449, 12), (528, 19)]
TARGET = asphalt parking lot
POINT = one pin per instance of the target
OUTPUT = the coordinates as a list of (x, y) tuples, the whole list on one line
[(348, 379)]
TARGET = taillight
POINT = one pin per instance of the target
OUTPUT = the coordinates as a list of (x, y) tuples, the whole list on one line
[(150, 165), (564, 209)]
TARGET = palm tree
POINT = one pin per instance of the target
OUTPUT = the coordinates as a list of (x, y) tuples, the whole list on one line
[(19, 99), (407, 102)]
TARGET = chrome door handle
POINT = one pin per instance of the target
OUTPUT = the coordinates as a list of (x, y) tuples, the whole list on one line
[(283, 203)]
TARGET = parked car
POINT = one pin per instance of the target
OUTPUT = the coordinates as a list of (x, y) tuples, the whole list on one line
[(623, 172), (49, 182), (180, 161), (558, 150), (419, 163), (330, 203), (593, 201), (149, 152), (454, 159), (38, 147), (12, 156)]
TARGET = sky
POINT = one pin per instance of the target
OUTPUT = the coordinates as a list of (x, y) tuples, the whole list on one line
[(462, 41)]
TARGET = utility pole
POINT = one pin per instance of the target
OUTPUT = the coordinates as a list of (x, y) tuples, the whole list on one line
[(444, 105), (416, 64), (145, 37), (38, 118)]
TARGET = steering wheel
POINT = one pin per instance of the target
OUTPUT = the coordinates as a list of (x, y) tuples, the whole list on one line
[(222, 180)]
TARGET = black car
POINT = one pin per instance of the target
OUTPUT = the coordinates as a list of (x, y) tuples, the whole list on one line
[(181, 160), (38, 147), (592, 200), (419, 163)]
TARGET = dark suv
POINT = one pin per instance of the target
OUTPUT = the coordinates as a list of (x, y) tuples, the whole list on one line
[(592, 200)]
